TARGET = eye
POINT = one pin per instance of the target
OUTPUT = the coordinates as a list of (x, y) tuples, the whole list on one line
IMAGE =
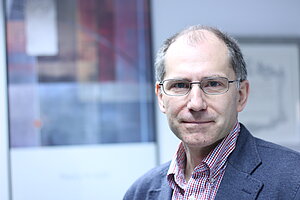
[(180, 85), (176, 85), (213, 84)]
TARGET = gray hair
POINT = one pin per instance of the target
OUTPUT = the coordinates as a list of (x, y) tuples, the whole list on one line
[(237, 61)]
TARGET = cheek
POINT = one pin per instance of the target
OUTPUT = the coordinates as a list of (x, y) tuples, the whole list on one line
[(173, 109), (226, 108), (230, 110)]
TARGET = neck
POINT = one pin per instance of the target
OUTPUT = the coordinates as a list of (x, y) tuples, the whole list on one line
[(194, 156)]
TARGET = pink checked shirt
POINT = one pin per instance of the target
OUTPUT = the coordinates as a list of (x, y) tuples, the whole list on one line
[(207, 176)]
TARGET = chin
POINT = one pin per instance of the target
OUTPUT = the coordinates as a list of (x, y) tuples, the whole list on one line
[(197, 142), (201, 142)]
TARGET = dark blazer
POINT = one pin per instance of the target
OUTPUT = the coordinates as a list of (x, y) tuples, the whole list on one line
[(256, 169)]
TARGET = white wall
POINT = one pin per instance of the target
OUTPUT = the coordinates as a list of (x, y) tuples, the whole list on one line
[(276, 18)]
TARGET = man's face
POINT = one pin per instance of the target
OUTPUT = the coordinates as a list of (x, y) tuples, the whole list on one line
[(198, 119)]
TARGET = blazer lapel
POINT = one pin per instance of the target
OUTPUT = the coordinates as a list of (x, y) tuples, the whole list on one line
[(237, 182), (238, 185)]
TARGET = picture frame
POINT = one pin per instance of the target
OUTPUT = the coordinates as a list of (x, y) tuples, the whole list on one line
[(273, 108)]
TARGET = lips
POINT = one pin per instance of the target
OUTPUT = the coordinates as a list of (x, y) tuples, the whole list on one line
[(197, 121)]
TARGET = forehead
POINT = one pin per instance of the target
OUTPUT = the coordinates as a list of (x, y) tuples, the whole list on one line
[(198, 51), (206, 44)]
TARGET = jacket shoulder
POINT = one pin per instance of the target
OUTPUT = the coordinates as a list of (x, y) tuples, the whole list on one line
[(276, 153), (279, 169), (152, 180), (273, 167)]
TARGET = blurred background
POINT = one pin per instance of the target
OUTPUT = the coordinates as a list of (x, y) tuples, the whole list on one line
[(78, 116)]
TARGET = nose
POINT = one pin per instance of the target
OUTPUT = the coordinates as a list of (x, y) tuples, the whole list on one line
[(197, 100)]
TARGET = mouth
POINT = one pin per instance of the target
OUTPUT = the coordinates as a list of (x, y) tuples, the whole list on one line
[(197, 122)]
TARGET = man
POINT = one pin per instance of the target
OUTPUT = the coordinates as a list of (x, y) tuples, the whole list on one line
[(201, 87)]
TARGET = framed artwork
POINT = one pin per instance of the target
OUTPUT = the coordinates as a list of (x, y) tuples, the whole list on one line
[(272, 111), (79, 81), (79, 73)]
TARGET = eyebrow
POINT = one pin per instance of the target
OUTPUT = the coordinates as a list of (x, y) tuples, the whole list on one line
[(205, 77)]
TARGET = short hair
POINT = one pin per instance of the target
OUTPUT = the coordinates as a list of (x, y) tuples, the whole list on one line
[(236, 57)]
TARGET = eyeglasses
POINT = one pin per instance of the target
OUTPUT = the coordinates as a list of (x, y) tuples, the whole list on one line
[(211, 86)]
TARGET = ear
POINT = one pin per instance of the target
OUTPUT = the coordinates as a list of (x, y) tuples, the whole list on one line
[(243, 95), (158, 92)]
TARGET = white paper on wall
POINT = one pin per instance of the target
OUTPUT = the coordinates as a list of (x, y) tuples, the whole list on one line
[(41, 27), (272, 111)]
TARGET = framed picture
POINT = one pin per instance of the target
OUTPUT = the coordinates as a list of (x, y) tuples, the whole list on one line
[(272, 111), (80, 98)]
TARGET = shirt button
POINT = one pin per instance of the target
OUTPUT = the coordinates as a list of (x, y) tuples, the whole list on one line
[(212, 180), (192, 198)]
